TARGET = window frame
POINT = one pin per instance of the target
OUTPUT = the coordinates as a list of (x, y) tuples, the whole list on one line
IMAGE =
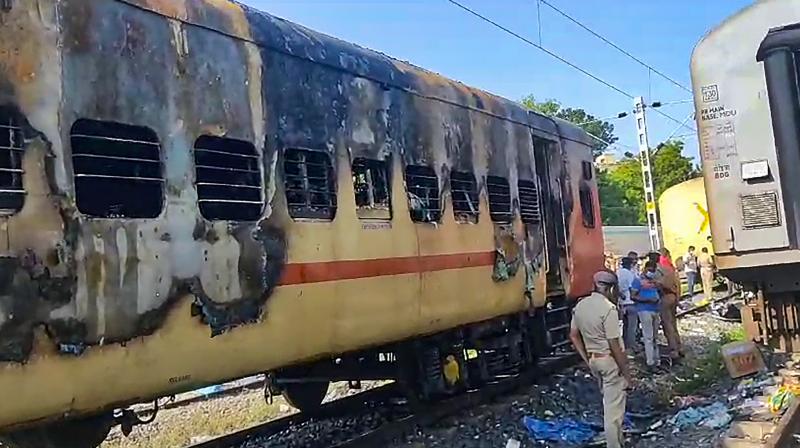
[(15, 127), (586, 199), (156, 141), (260, 176), (588, 169), (530, 185), (372, 211), (499, 216), (331, 177), (431, 174), (463, 216)]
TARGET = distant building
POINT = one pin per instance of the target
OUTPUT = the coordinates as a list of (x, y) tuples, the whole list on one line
[(606, 161), (619, 240)]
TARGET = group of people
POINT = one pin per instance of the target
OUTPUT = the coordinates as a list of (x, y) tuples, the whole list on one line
[(605, 325), (648, 297), (702, 265)]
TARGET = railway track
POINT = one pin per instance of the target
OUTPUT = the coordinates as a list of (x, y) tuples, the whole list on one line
[(406, 419), (343, 406)]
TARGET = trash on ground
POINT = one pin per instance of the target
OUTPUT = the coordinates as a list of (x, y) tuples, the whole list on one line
[(783, 398), (712, 416), (560, 430)]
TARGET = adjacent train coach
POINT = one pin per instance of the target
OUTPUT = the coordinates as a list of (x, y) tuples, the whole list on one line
[(745, 74), (192, 191)]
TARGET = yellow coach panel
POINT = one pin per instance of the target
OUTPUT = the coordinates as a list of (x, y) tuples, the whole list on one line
[(684, 217)]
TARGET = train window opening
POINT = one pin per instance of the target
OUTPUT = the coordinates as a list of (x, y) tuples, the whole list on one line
[(12, 140), (464, 192), (422, 185), (371, 185), (117, 169), (310, 184), (499, 199), (529, 203), (588, 170), (649, 197), (229, 179), (587, 207)]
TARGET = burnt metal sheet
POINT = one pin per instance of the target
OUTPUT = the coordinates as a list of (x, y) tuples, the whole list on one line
[(185, 69)]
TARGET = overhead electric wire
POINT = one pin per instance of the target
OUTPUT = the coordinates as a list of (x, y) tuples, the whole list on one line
[(612, 44), (534, 44), (556, 56), (670, 117), (672, 134)]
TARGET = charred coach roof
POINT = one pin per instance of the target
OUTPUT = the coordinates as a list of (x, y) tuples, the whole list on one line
[(243, 22)]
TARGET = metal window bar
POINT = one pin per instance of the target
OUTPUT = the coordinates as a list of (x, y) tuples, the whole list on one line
[(499, 199), (422, 185), (117, 170), (12, 192), (309, 184), (228, 179), (371, 183), (464, 192), (529, 202)]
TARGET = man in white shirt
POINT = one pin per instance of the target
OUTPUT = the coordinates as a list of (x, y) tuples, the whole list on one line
[(627, 307), (690, 269)]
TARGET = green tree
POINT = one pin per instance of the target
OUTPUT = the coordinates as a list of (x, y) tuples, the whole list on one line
[(615, 207), (602, 131), (670, 167)]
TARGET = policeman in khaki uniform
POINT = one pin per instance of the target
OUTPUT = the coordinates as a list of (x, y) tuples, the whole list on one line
[(596, 335)]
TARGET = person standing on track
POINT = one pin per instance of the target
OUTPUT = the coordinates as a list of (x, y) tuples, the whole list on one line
[(595, 333), (626, 305), (707, 268), (648, 305), (690, 269), (670, 291)]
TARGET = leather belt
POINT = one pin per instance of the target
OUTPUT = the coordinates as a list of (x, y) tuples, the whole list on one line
[(598, 355)]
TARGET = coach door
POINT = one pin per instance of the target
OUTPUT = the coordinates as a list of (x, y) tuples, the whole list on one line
[(547, 160)]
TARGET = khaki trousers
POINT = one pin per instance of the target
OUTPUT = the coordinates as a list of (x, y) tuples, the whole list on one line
[(613, 386), (707, 276), (669, 323)]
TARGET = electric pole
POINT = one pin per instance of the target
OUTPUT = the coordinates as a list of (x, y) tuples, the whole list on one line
[(647, 173)]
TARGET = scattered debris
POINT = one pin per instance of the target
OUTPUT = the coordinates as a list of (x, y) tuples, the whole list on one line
[(712, 416), (573, 432)]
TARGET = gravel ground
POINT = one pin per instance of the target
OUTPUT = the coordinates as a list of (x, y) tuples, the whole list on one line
[(203, 420), (331, 431), (574, 394)]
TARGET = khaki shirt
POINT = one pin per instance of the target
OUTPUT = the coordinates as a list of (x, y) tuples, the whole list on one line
[(598, 321), (669, 280), (705, 261)]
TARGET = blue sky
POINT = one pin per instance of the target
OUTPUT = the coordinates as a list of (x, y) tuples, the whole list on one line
[(438, 36)]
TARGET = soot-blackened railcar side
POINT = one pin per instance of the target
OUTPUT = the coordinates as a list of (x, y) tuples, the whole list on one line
[(153, 195)]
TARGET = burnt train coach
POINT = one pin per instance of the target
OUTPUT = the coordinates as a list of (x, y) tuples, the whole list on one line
[(192, 191), (745, 75)]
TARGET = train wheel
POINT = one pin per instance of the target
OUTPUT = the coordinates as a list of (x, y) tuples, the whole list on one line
[(82, 433), (307, 397)]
